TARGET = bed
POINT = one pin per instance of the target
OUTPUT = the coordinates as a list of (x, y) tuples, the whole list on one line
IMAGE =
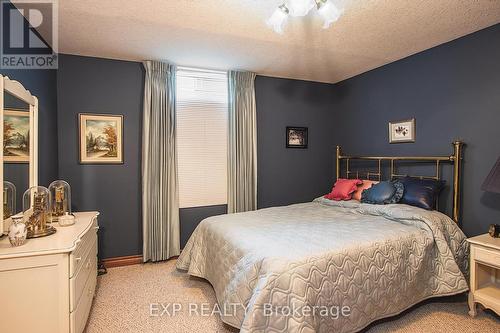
[(327, 266)]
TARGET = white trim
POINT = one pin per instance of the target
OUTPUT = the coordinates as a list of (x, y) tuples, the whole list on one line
[(33, 167), (17, 90)]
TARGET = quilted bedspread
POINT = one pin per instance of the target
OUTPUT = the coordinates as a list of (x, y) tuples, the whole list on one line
[(325, 266)]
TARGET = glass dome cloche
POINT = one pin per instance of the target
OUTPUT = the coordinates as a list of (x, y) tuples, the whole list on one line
[(60, 199), (9, 199), (36, 210)]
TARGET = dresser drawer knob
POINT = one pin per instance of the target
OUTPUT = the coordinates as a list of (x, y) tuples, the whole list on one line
[(78, 259)]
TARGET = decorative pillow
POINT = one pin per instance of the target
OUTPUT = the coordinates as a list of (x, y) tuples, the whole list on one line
[(383, 193), (366, 185), (343, 189), (421, 193)]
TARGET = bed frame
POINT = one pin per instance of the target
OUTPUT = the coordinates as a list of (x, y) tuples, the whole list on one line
[(455, 159)]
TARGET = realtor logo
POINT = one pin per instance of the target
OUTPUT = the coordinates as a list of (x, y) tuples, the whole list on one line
[(28, 38)]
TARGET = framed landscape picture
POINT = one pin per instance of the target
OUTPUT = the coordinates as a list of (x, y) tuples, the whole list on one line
[(402, 131), (296, 137), (101, 138), (16, 136)]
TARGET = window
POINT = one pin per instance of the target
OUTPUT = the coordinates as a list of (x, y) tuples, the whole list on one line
[(202, 125)]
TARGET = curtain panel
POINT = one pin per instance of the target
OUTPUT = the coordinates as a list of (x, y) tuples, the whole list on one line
[(242, 143), (160, 198)]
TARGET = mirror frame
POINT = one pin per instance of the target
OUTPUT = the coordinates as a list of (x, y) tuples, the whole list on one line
[(16, 89)]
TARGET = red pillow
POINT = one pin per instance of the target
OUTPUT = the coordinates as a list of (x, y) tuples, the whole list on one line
[(343, 189), (366, 185)]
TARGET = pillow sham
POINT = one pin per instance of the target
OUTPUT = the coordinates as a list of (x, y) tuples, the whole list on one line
[(383, 193), (366, 185), (343, 189), (421, 193)]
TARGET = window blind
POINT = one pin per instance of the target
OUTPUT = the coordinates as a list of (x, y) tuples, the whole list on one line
[(202, 122)]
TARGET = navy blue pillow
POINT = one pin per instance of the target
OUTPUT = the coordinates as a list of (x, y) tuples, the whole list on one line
[(421, 193), (383, 193)]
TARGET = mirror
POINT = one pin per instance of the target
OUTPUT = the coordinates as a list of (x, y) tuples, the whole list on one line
[(16, 120), (18, 113)]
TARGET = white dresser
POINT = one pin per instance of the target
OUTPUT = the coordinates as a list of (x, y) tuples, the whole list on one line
[(47, 284)]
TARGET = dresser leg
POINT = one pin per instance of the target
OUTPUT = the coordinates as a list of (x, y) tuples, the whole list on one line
[(472, 305)]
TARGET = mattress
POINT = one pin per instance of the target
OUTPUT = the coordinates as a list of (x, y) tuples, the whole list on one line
[(325, 266)]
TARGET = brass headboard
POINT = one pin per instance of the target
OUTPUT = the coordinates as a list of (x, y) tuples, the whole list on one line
[(455, 159)]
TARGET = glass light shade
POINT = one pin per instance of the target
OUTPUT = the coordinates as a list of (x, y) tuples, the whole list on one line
[(60, 199), (278, 19), (9, 199), (329, 13), (300, 7), (36, 211)]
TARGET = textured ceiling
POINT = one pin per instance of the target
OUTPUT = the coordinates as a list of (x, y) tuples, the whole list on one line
[(232, 34)]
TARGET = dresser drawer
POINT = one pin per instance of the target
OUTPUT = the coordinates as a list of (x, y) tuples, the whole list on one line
[(486, 256), (76, 258), (77, 283), (78, 318)]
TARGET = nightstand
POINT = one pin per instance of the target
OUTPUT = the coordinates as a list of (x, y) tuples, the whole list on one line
[(484, 273)]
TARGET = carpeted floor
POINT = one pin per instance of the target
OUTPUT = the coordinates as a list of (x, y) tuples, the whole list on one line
[(135, 299)]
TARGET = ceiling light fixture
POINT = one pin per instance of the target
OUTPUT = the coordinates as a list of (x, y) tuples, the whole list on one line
[(298, 8)]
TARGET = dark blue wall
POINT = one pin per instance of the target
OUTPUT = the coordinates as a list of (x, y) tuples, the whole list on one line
[(453, 91), (288, 176), (91, 85)]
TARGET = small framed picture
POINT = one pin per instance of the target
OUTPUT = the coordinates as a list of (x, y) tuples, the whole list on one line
[(101, 138), (16, 135), (402, 131), (296, 137)]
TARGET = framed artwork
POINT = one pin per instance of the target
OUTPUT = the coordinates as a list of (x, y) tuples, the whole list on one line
[(16, 136), (296, 137), (402, 131), (101, 138)]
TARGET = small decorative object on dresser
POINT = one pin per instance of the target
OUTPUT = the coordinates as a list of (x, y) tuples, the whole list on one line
[(402, 131), (296, 137), (66, 220), (484, 273), (60, 199), (48, 284), (36, 212), (17, 231), (101, 139)]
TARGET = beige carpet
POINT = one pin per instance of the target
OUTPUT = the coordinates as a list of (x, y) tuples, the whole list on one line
[(124, 295)]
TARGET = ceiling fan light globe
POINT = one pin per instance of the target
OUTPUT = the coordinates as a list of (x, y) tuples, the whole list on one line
[(300, 7), (329, 12), (278, 19)]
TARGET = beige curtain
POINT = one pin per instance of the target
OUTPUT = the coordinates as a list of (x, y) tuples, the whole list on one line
[(242, 144), (160, 199)]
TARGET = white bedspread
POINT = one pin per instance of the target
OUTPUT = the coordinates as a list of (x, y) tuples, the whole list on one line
[(375, 261)]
